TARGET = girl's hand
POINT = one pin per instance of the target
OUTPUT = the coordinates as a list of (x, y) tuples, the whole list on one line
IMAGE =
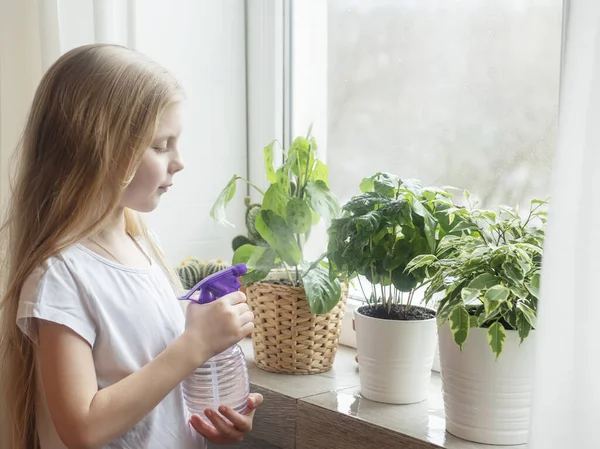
[(212, 328), (223, 432)]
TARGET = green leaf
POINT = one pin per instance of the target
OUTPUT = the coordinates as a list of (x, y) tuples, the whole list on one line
[(493, 299), (403, 281), (259, 260), (496, 338), (420, 261), (268, 158), (368, 223), (473, 321), (534, 285), (497, 293), (523, 325), (386, 184), (283, 179), (320, 172), (276, 232), (459, 325), (484, 281), (217, 212), (430, 223), (513, 272), (468, 295), (322, 200), (298, 215), (301, 148), (367, 185), (322, 293), (275, 199), (528, 313)]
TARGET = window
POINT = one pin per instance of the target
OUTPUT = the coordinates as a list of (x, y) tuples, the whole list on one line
[(451, 93)]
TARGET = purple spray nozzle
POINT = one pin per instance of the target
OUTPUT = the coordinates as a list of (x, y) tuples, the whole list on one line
[(218, 284)]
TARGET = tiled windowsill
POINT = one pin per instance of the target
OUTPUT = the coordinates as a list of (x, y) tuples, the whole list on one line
[(327, 411)]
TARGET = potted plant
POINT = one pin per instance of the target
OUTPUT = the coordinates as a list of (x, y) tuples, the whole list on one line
[(298, 307), (489, 279), (381, 231)]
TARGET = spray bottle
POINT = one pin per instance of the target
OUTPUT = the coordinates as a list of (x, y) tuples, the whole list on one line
[(222, 380)]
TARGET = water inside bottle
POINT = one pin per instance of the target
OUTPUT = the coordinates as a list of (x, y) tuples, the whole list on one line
[(222, 380)]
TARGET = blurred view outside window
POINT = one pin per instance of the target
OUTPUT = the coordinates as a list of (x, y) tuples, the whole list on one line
[(461, 93)]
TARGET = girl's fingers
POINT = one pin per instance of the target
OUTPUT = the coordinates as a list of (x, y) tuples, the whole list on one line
[(203, 428), (225, 430), (254, 400), (242, 423)]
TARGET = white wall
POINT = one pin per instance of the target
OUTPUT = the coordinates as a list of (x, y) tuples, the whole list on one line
[(202, 43)]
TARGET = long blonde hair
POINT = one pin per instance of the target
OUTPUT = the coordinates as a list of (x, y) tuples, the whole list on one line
[(92, 118)]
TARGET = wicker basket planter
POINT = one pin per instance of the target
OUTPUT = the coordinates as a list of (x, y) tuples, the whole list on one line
[(287, 337)]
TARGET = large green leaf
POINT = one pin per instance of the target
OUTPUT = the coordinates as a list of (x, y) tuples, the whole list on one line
[(498, 293), (368, 223), (275, 199), (483, 281), (459, 325), (320, 172), (403, 281), (258, 259), (217, 212), (298, 215), (322, 293), (276, 232), (268, 158), (469, 295), (322, 200), (496, 337)]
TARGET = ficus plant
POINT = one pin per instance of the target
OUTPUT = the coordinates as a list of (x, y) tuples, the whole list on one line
[(382, 230), (488, 277), (297, 198)]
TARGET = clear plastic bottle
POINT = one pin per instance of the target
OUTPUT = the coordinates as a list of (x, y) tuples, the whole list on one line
[(222, 380)]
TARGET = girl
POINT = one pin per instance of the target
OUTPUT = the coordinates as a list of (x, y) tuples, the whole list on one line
[(94, 342)]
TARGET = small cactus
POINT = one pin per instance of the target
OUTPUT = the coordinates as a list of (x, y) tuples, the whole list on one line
[(252, 211), (253, 237), (214, 266), (190, 272), (240, 240)]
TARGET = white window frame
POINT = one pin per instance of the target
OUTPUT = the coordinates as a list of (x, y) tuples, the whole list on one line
[(286, 69)]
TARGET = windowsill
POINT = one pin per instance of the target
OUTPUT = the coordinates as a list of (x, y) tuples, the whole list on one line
[(329, 412)]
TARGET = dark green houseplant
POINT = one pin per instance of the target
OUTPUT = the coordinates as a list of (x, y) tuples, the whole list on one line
[(382, 229)]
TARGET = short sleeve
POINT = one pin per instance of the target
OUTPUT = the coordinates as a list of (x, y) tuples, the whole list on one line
[(53, 293)]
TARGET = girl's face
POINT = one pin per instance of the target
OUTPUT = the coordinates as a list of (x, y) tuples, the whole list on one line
[(161, 161)]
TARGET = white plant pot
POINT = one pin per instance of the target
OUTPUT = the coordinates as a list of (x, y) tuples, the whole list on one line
[(487, 400), (394, 358), (436, 359)]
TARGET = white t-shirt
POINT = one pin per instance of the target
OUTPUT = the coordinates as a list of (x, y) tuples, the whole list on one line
[(128, 316)]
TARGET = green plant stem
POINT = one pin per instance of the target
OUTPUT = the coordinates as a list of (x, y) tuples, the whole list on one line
[(252, 185), (372, 272), (361, 287), (289, 274)]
